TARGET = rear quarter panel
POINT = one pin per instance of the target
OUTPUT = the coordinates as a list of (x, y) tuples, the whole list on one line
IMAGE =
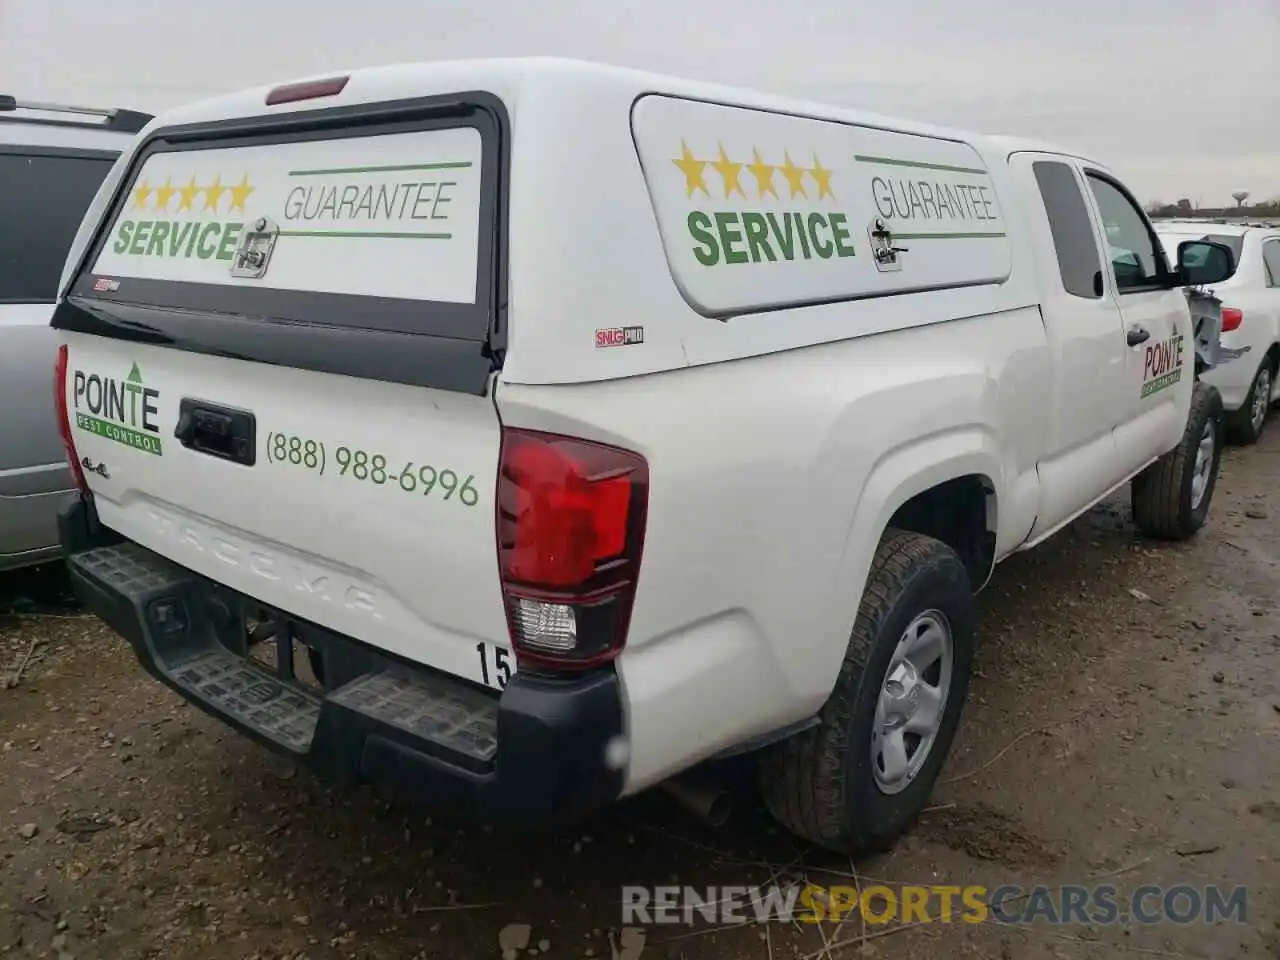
[(772, 480)]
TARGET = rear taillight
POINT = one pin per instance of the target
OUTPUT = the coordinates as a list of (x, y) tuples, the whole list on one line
[(307, 90), (1231, 318), (64, 419), (570, 526)]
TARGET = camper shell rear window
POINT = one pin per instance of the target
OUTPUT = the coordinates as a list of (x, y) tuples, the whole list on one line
[(381, 220)]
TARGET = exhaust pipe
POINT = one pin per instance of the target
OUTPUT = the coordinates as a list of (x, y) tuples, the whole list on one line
[(706, 801)]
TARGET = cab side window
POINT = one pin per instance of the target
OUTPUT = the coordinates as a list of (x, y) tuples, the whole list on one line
[(1271, 260), (1134, 251), (1072, 231)]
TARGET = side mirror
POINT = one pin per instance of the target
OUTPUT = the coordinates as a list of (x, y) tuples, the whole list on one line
[(1204, 262)]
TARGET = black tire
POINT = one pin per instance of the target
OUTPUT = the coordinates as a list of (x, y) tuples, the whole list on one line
[(1242, 427), (820, 783), (1162, 495)]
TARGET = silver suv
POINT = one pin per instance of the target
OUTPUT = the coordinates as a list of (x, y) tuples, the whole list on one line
[(52, 160)]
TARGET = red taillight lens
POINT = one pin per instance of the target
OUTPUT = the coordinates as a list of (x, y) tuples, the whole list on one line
[(308, 90), (566, 521), (64, 420), (570, 525), (1231, 318)]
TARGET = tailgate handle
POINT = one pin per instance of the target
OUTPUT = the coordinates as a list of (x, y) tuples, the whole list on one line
[(223, 432)]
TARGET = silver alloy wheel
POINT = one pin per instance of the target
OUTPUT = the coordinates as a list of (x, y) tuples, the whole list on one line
[(1203, 466), (912, 701), (1261, 398)]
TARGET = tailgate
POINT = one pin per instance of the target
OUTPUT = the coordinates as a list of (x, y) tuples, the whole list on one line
[(278, 366)]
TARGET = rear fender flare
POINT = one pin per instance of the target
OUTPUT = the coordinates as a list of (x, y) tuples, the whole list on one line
[(898, 476)]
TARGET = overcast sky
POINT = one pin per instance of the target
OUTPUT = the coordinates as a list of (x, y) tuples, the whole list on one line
[(1182, 98)]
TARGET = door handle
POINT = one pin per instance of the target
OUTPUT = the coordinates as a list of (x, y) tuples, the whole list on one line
[(1137, 335)]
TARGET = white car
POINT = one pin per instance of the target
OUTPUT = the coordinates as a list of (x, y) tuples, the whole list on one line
[(1250, 318), (584, 425)]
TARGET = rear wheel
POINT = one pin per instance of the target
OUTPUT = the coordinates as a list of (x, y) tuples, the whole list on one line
[(1171, 497), (856, 781), (1246, 424)]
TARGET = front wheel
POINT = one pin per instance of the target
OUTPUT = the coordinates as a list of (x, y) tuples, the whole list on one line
[(1171, 497), (859, 778)]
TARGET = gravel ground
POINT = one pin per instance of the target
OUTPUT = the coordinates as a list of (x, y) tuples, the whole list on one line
[(1124, 727)]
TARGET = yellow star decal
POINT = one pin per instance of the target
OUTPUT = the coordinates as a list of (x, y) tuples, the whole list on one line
[(187, 195), (692, 168), (794, 176), (165, 194), (213, 193), (729, 173), (240, 193), (822, 177), (141, 194), (763, 172)]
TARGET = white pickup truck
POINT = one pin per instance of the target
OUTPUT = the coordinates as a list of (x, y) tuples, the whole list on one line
[(559, 427)]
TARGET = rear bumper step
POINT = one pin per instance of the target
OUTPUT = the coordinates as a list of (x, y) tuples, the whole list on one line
[(533, 756)]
